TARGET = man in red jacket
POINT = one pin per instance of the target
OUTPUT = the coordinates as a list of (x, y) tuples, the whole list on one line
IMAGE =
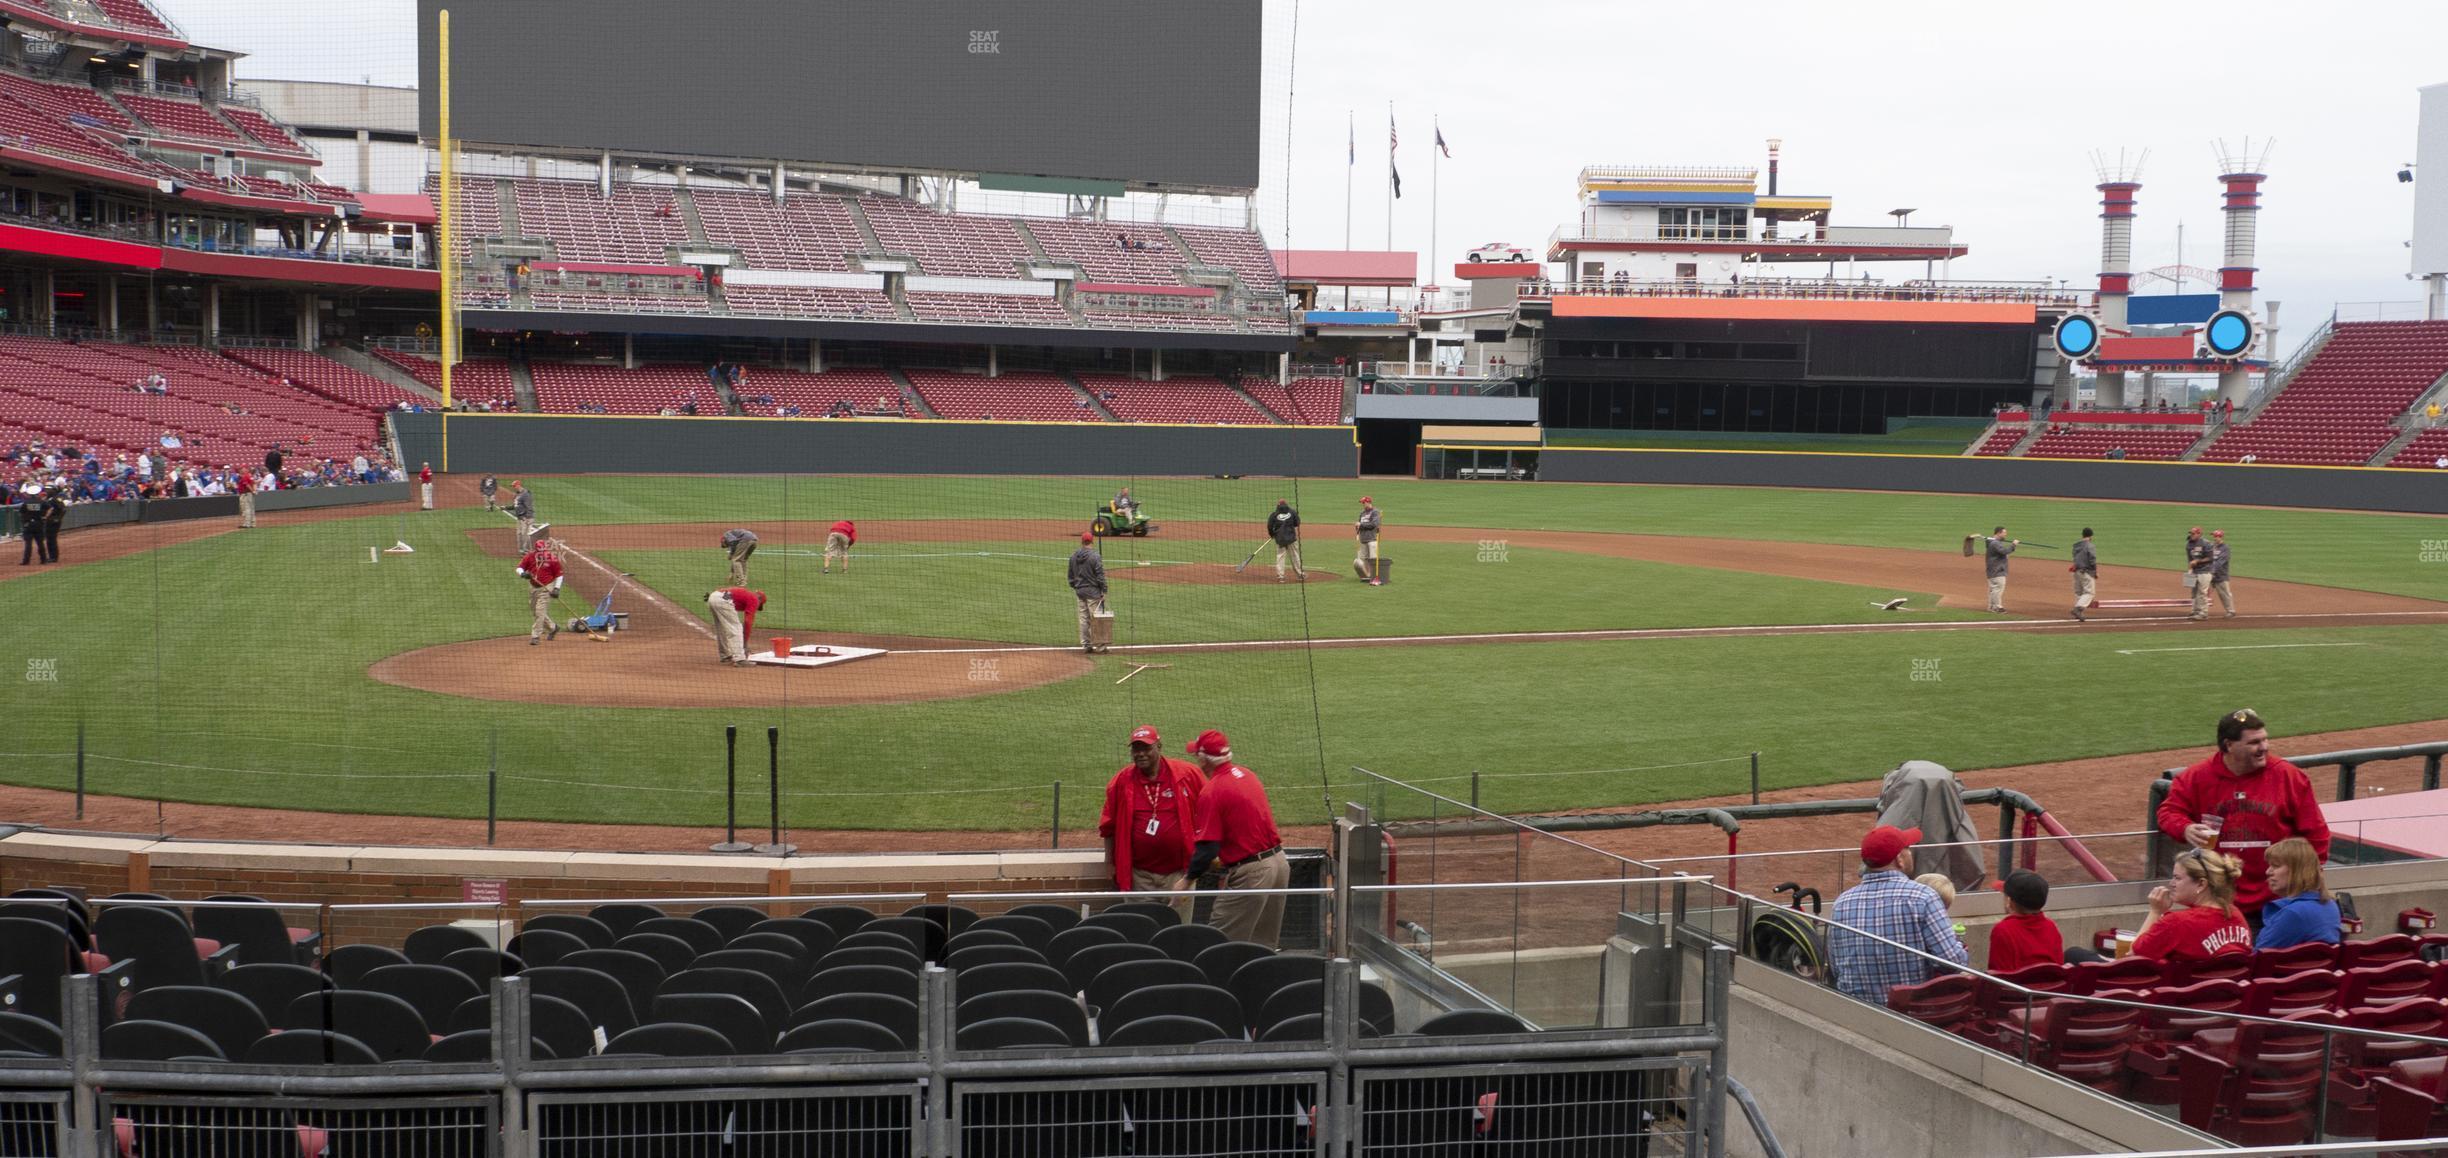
[(1237, 833), (1150, 820), (735, 611), (838, 542), (542, 571), (2241, 801), (425, 484)]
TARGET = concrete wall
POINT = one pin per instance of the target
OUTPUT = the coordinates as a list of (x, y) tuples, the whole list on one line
[(1839, 1079), (592, 444), (222, 506), (2342, 488), (1447, 408)]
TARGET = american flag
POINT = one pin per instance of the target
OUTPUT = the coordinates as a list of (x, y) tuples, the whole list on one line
[(1393, 142)]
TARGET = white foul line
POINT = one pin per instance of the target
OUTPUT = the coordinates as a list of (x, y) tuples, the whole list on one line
[(1656, 632), (2235, 647), (652, 596)]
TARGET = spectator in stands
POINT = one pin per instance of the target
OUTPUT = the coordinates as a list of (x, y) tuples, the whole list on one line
[(2243, 798), (2026, 936), (1886, 930), (2431, 413), (2299, 911), (2193, 916), (1942, 885)]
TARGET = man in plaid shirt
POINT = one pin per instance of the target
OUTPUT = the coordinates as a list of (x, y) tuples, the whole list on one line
[(1889, 904)]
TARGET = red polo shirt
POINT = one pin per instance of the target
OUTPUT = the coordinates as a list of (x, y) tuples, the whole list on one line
[(541, 566), (425, 475), (1236, 814), (747, 603), (1151, 820), (848, 530), (2025, 939)]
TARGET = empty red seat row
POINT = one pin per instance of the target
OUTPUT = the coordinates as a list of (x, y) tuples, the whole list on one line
[(1188, 399), (1020, 397)]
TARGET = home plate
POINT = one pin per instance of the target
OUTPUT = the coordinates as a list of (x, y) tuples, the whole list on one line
[(814, 655)]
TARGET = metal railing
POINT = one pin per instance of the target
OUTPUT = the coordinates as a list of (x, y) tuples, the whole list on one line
[(1342, 1091), (2409, 311), (1810, 289), (1936, 240)]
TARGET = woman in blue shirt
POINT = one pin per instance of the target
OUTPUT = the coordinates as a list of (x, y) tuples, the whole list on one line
[(2299, 909)]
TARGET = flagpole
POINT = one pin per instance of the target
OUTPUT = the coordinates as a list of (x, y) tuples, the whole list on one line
[(1436, 150), (1391, 140), (1351, 128)]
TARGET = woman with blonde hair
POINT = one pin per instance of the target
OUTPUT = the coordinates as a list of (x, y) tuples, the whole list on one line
[(2193, 916), (2299, 911)]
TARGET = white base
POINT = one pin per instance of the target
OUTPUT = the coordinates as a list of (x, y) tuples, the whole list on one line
[(804, 655)]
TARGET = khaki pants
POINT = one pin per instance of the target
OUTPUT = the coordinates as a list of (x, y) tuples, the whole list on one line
[(541, 600), (526, 535), (1293, 548), (1364, 563), (1256, 919), (1997, 593), (1088, 609), (2086, 587), (425, 493), (489, 501), (1147, 882), (246, 508), (2199, 584), (731, 644), (837, 546), (739, 563), (2226, 597)]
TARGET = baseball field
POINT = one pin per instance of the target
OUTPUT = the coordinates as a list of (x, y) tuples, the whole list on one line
[(1575, 646)]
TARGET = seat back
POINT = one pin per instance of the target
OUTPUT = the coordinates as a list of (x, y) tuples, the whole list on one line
[(2387, 984), (730, 920), (229, 1021), (1205, 1002), (2386, 950), (1072, 940), (1124, 976), (927, 936), (1165, 1029), (545, 946), (157, 940), (430, 944), (1257, 981), (1010, 1033), (2294, 959), (622, 917), (1220, 962), (815, 937), (1134, 926), (727, 1014), (892, 955), (1055, 1009), (40, 953), (1018, 975), (899, 1015), (595, 932), (348, 964), (787, 971), (979, 956), (483, 965), (1941, 1001), (385, 1024), (839, 1035), (310, 1047), (670, 952), (258, 929), (156, 1041), (2309, 989), (1083, 967), (1471, 1021), (976, 937), (435, 990), (861, 979), (2122, 973), (1056, 917), (670, 1039), (1165, 915), (755, 988), (476, 1045), (604, 1000), (842, 919), (952, 919), (1186, 942), (699, 936), (1034, 932)]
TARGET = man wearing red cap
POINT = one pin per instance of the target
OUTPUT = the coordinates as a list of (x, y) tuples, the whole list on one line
[(1150, 819), (1237, 833), (425, 484), (1365, 563), (1898, 914), (1087, 579), (2240, 801), (542, 571)]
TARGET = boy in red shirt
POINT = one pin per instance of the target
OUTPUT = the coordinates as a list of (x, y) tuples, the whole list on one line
[(2240, 802), (1150, 819), (2026, 937)]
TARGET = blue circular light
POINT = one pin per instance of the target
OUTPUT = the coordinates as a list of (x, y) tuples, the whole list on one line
[(2077, 336), (2229, 333)]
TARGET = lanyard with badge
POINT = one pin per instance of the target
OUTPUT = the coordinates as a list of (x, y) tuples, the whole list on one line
[(1154, 814)]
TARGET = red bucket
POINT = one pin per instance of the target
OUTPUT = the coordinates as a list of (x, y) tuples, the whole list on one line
[(781, 646)]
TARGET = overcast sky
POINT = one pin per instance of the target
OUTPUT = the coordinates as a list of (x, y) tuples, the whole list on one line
[(1981, 117)]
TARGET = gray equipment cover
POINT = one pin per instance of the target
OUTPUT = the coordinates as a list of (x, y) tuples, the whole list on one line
[(1923, 795)]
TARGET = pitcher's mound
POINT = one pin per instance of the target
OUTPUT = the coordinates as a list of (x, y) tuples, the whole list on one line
[(673, 668)]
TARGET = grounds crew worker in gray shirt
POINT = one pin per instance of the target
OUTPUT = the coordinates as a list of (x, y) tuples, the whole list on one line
[(2199, 561), (739, 543), (1999, 546), (2086, 573), (2218, 573), (522, 508), (1088, 583), (1366, 527)]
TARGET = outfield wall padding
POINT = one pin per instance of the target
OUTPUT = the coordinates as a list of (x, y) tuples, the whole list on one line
[(602, 444), (216, 507), (2341, 488)]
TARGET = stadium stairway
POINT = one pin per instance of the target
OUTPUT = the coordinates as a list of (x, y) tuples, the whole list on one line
[(373, 367), (1094, 402), (910, 394), (1256, 405), (522, 380), (2039, 430)]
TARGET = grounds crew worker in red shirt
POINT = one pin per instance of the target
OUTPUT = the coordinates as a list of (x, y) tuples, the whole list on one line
[(735, 611), (542, 571), (425, 484), (1237, 833), (838, 542), (2240, 802), (1150, 818)]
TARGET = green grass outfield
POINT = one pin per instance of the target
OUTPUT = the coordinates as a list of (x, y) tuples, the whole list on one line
[(233, 669), (1905, 437)]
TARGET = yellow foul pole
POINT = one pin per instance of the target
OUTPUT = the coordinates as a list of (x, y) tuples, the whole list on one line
[(444, 221)]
